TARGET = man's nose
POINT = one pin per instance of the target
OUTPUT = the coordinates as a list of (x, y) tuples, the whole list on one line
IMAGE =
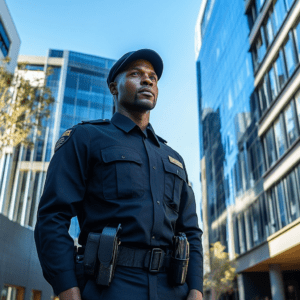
[(146, 80)]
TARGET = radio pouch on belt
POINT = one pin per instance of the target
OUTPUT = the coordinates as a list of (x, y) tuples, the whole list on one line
[(107, 254), (179, 259)]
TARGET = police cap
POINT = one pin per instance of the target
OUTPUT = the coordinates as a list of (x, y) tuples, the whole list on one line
[(129, 57)]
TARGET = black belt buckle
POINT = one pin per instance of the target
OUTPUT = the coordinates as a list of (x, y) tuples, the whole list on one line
[(153, 252)]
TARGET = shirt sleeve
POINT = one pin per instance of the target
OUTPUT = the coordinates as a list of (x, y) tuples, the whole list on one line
[(64, 188), (188, 223)]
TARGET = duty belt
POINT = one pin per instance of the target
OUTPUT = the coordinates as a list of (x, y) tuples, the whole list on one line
[(155, 260)]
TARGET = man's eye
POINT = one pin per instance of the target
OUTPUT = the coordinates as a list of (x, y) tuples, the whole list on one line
[(153, 78), (134, 73)]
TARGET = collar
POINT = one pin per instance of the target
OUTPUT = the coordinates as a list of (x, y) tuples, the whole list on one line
[(126, 124)]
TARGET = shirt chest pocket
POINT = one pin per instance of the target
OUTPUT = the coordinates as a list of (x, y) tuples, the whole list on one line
[(174, 178), (121, 173)]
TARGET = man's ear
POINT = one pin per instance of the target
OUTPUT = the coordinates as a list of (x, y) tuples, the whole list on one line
[(113, 88)]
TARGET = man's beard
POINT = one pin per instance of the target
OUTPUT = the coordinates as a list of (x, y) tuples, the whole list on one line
[(140, 106)]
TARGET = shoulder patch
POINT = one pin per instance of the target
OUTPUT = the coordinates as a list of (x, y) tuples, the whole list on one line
[(161, 139), (64, 137), (99, 121)]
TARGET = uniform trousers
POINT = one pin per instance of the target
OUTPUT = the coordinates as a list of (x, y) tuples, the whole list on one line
[(135, 283)]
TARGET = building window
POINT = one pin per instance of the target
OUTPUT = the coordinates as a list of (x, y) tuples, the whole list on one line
[(251, 16), (280, 139), (256, 223), (297, 38), (4, 40), (293, 197), (273, 84), (263, 94), (261, 46), (290, 55), (289, 3), (278, 14), (270, 150), (259, 4), (269, 31), (281, 205), (34, 199), (280, 70), (273, 219), (264, 216), (36, 295), (12, 292), (56, 53), (297, 100), (291, 123)]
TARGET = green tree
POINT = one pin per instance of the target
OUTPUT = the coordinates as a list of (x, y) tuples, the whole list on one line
[(222, 272), (24, 103)]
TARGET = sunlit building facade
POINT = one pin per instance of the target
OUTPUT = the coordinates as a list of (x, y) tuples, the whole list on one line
[(248, 70), (78, 84)]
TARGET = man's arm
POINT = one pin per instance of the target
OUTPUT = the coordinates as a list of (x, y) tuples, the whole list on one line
[(187, 222), (70, 294), (64, 189)]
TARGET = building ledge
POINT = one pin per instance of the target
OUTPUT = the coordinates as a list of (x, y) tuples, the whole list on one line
[(259, 20), (281, 100), (278, 40), (282, 247), (283, 165), (34, 166)]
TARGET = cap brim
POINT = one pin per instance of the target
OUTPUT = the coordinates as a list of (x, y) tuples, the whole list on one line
[(145, 54)]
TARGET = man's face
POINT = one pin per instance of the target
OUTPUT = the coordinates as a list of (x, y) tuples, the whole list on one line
[(136, 87)]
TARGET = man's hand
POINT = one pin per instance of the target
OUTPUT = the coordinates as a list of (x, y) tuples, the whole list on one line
[(194, 295), (71, 294)]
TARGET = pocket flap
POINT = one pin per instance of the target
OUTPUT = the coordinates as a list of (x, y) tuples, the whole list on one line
[(112, 154), (171, 168)]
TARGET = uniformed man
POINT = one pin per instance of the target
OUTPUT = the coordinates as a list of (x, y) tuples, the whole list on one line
[(120, 171)]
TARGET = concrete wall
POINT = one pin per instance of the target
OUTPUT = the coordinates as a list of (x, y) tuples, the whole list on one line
[(19, 264)]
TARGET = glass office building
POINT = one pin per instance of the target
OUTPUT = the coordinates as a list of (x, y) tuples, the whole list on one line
[(248, 70), (78, 84)]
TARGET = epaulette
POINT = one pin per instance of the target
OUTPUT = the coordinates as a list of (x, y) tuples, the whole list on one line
[(161, 139), (99, 121)]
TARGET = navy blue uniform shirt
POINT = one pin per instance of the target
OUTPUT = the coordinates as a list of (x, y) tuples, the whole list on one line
[(112, 172)]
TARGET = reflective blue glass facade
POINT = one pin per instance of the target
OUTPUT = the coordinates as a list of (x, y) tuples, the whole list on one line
[(86, 93), (225, 84), (248, 72)]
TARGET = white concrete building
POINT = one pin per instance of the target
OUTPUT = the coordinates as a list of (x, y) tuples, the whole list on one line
[(9, 38)]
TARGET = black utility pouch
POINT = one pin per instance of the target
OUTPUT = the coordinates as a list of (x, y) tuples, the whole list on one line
[(100, 256), (179, 259), (107, 254), (90, 261)]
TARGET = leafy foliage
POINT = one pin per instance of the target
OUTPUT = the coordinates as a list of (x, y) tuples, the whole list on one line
[(222, 271), (24, 103)]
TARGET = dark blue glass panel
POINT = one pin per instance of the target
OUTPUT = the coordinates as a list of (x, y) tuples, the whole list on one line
[(5, 42), (56, 53), (280, 138), (278, 14), (290, 55), (280, 70), (34, 67), (270, 149), (297, 38)]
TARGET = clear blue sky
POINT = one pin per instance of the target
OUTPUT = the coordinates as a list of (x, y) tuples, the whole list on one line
[(112, 28)]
